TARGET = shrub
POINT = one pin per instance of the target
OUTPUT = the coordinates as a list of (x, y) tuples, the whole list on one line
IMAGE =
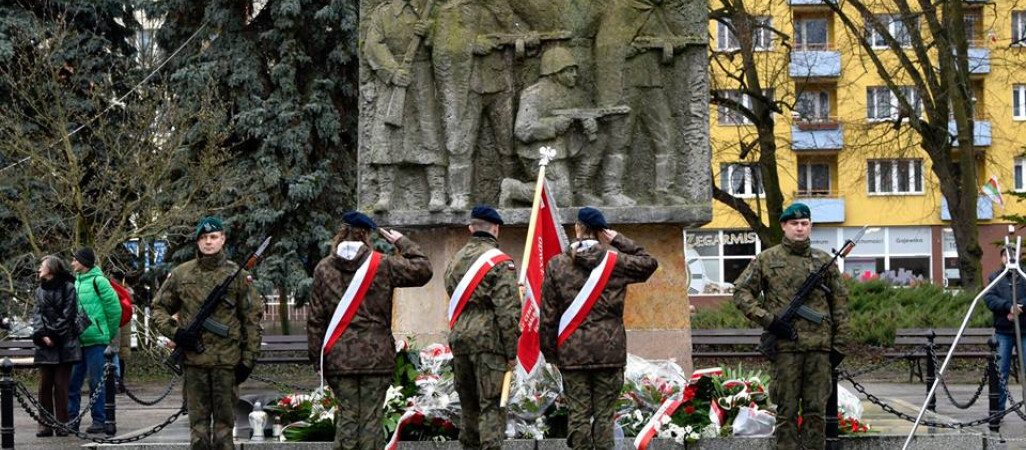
[(876, 310)]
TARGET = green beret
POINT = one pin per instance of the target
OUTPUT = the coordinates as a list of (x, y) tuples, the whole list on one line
[(796, 211), (208, 225)]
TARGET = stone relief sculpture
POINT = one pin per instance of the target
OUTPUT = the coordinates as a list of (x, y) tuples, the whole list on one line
[(466, 91)]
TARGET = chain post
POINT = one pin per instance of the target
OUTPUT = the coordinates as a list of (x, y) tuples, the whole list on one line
[(110, 427), (995, 382), (931, 368), (833, 441), (7, 404)]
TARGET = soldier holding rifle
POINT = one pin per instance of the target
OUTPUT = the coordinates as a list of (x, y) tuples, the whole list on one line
[(795, 279), (220, 357)]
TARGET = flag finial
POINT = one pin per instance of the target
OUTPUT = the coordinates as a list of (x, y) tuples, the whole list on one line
[(547, 153)]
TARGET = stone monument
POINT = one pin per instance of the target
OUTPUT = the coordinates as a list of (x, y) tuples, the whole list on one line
[(457, 96)]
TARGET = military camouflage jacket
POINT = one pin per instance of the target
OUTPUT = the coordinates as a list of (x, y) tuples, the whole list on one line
[(777, 274), (490, 320), (600, 341), (184, 292), (367, 346)]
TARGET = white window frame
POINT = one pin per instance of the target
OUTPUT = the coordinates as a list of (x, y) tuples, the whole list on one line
[(894, 106), (820, 105), (726, 116), (1019, 28), (721, 258), (1019, 102), (1019, 175), (895, 27), (748, 189), (762, 39), (801, 35), (915, 167), (805, 171)]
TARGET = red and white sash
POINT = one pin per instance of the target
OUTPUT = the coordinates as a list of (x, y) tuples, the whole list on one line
[(351, 301), (651, 429), (586, 298), (471, 279)]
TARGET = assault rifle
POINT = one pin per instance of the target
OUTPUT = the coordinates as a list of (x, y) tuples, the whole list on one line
[(202, 319), (581, 114), (768, 343), (670, 45), (520, 41)]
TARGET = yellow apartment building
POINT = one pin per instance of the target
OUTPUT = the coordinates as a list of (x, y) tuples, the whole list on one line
[(841, 153)]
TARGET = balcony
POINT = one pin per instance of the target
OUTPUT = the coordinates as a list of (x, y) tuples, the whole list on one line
[(984, 209), (981, 132), (815, 61), (826, 207), (979, 58), (824, 133), (806, 2)]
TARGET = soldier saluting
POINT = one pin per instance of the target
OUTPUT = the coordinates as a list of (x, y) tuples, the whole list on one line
[(801, 368), (581, 327), (211, 377), (484, 310), (350, 326)]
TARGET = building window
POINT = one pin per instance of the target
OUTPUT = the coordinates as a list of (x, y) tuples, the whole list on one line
[(895, 176), (1019, 28), (762, 36), (727, 115), (716, 259), (897, 27), (1018, 174), (813, 106), (1019, 101), (741, 180), (813, 179), (882, 104), (972, 20), (810, 34)]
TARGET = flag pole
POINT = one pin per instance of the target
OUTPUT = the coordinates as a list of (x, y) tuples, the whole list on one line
[(546, 155)]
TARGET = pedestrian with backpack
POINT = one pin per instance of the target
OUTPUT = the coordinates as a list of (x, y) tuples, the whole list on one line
[(125, 297), (101, 304)]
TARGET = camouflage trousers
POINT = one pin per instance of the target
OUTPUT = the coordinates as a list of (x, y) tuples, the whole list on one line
[(211, 394), (801, 380), (590, 397), (478, 380), (360, 413)]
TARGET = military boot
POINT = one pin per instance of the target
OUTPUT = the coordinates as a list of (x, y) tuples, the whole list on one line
[(584, 176), (612, 184), (664, 183), (386, 183), (460, 177), (436, 188)]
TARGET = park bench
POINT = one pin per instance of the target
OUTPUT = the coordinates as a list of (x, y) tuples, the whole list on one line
[(284, 349), (21, 351), (725, 343), (972, 345)]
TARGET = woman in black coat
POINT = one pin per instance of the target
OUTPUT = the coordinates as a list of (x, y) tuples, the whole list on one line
[(55, 336)]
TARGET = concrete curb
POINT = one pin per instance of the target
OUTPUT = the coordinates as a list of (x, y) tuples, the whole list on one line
[(962, 441)]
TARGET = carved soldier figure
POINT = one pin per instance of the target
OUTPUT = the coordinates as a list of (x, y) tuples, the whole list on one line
[(628, 71), (476, 86), (406, 128), (537, 127)]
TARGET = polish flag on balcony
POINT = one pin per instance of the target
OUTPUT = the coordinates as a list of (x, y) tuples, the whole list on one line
[(545, 239), (993, 191)]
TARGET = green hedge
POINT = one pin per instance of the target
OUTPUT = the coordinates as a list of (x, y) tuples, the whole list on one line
[(877, 310)]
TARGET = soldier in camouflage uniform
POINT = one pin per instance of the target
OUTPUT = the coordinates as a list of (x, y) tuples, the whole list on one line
[(360, 364), (484, 337), (592, 358), (801, 369), (211, 377)]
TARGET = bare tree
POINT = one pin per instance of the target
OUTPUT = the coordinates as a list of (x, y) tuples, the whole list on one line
[(920, 52)]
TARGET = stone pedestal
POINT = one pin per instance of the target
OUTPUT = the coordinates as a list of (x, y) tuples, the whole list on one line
[(656, 313)]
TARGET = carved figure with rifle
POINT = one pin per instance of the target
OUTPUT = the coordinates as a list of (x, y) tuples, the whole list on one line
[(796, 293), (216, 335)]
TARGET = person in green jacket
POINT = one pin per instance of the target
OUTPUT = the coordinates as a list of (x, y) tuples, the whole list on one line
[(100, 302)]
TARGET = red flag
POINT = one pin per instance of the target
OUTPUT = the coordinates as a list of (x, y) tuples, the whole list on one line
[(545, 239)]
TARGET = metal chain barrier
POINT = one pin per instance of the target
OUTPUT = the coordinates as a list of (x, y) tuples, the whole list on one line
[(889, 362), (1008, 396), (955, 426), (44, 417), (944, 384), (161, 397), (280, 384)]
